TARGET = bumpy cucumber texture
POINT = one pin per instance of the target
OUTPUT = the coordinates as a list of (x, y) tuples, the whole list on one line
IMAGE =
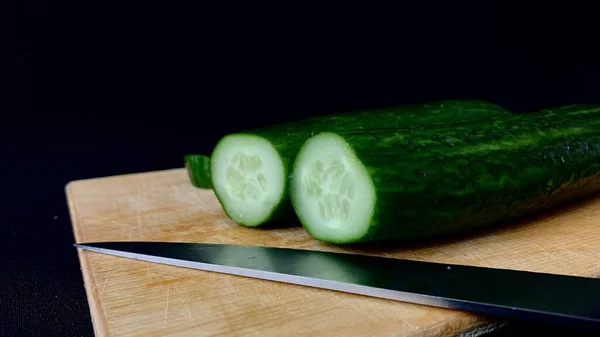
[(427, 181)]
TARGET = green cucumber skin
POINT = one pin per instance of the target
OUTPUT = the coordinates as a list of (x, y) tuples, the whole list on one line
[(438, 112), (457, 178), (198, 169), (288, 138)]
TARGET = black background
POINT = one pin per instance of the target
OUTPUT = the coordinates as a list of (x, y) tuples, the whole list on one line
[(109, 88)]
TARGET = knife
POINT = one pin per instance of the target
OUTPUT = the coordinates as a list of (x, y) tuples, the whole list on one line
[(502, 293)]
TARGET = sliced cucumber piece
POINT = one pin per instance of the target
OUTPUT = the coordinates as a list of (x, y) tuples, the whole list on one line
[(249, 178), (198, 169), (331, 190)]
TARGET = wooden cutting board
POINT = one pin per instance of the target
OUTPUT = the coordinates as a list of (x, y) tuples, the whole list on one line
[(136, 298)]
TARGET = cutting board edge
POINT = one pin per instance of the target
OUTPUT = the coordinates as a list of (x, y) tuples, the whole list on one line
[(94, 303), (69, 184)]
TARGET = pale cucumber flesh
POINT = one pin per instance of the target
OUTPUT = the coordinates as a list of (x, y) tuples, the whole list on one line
[(248, 178), (331, 191)]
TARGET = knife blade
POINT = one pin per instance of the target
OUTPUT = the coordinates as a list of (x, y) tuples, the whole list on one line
[(501, 293)]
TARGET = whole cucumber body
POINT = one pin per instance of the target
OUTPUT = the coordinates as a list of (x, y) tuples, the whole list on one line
[(426, 181)]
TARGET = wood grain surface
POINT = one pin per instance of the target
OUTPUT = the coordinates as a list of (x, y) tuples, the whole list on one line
[(136, 298)]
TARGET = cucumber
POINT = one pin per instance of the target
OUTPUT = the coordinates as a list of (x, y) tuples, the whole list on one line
[(198, 169), (416, 183), (250, 170)]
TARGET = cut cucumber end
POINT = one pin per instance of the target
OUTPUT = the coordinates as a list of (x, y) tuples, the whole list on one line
[(248, 178), (331, 191), (198, 169)]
